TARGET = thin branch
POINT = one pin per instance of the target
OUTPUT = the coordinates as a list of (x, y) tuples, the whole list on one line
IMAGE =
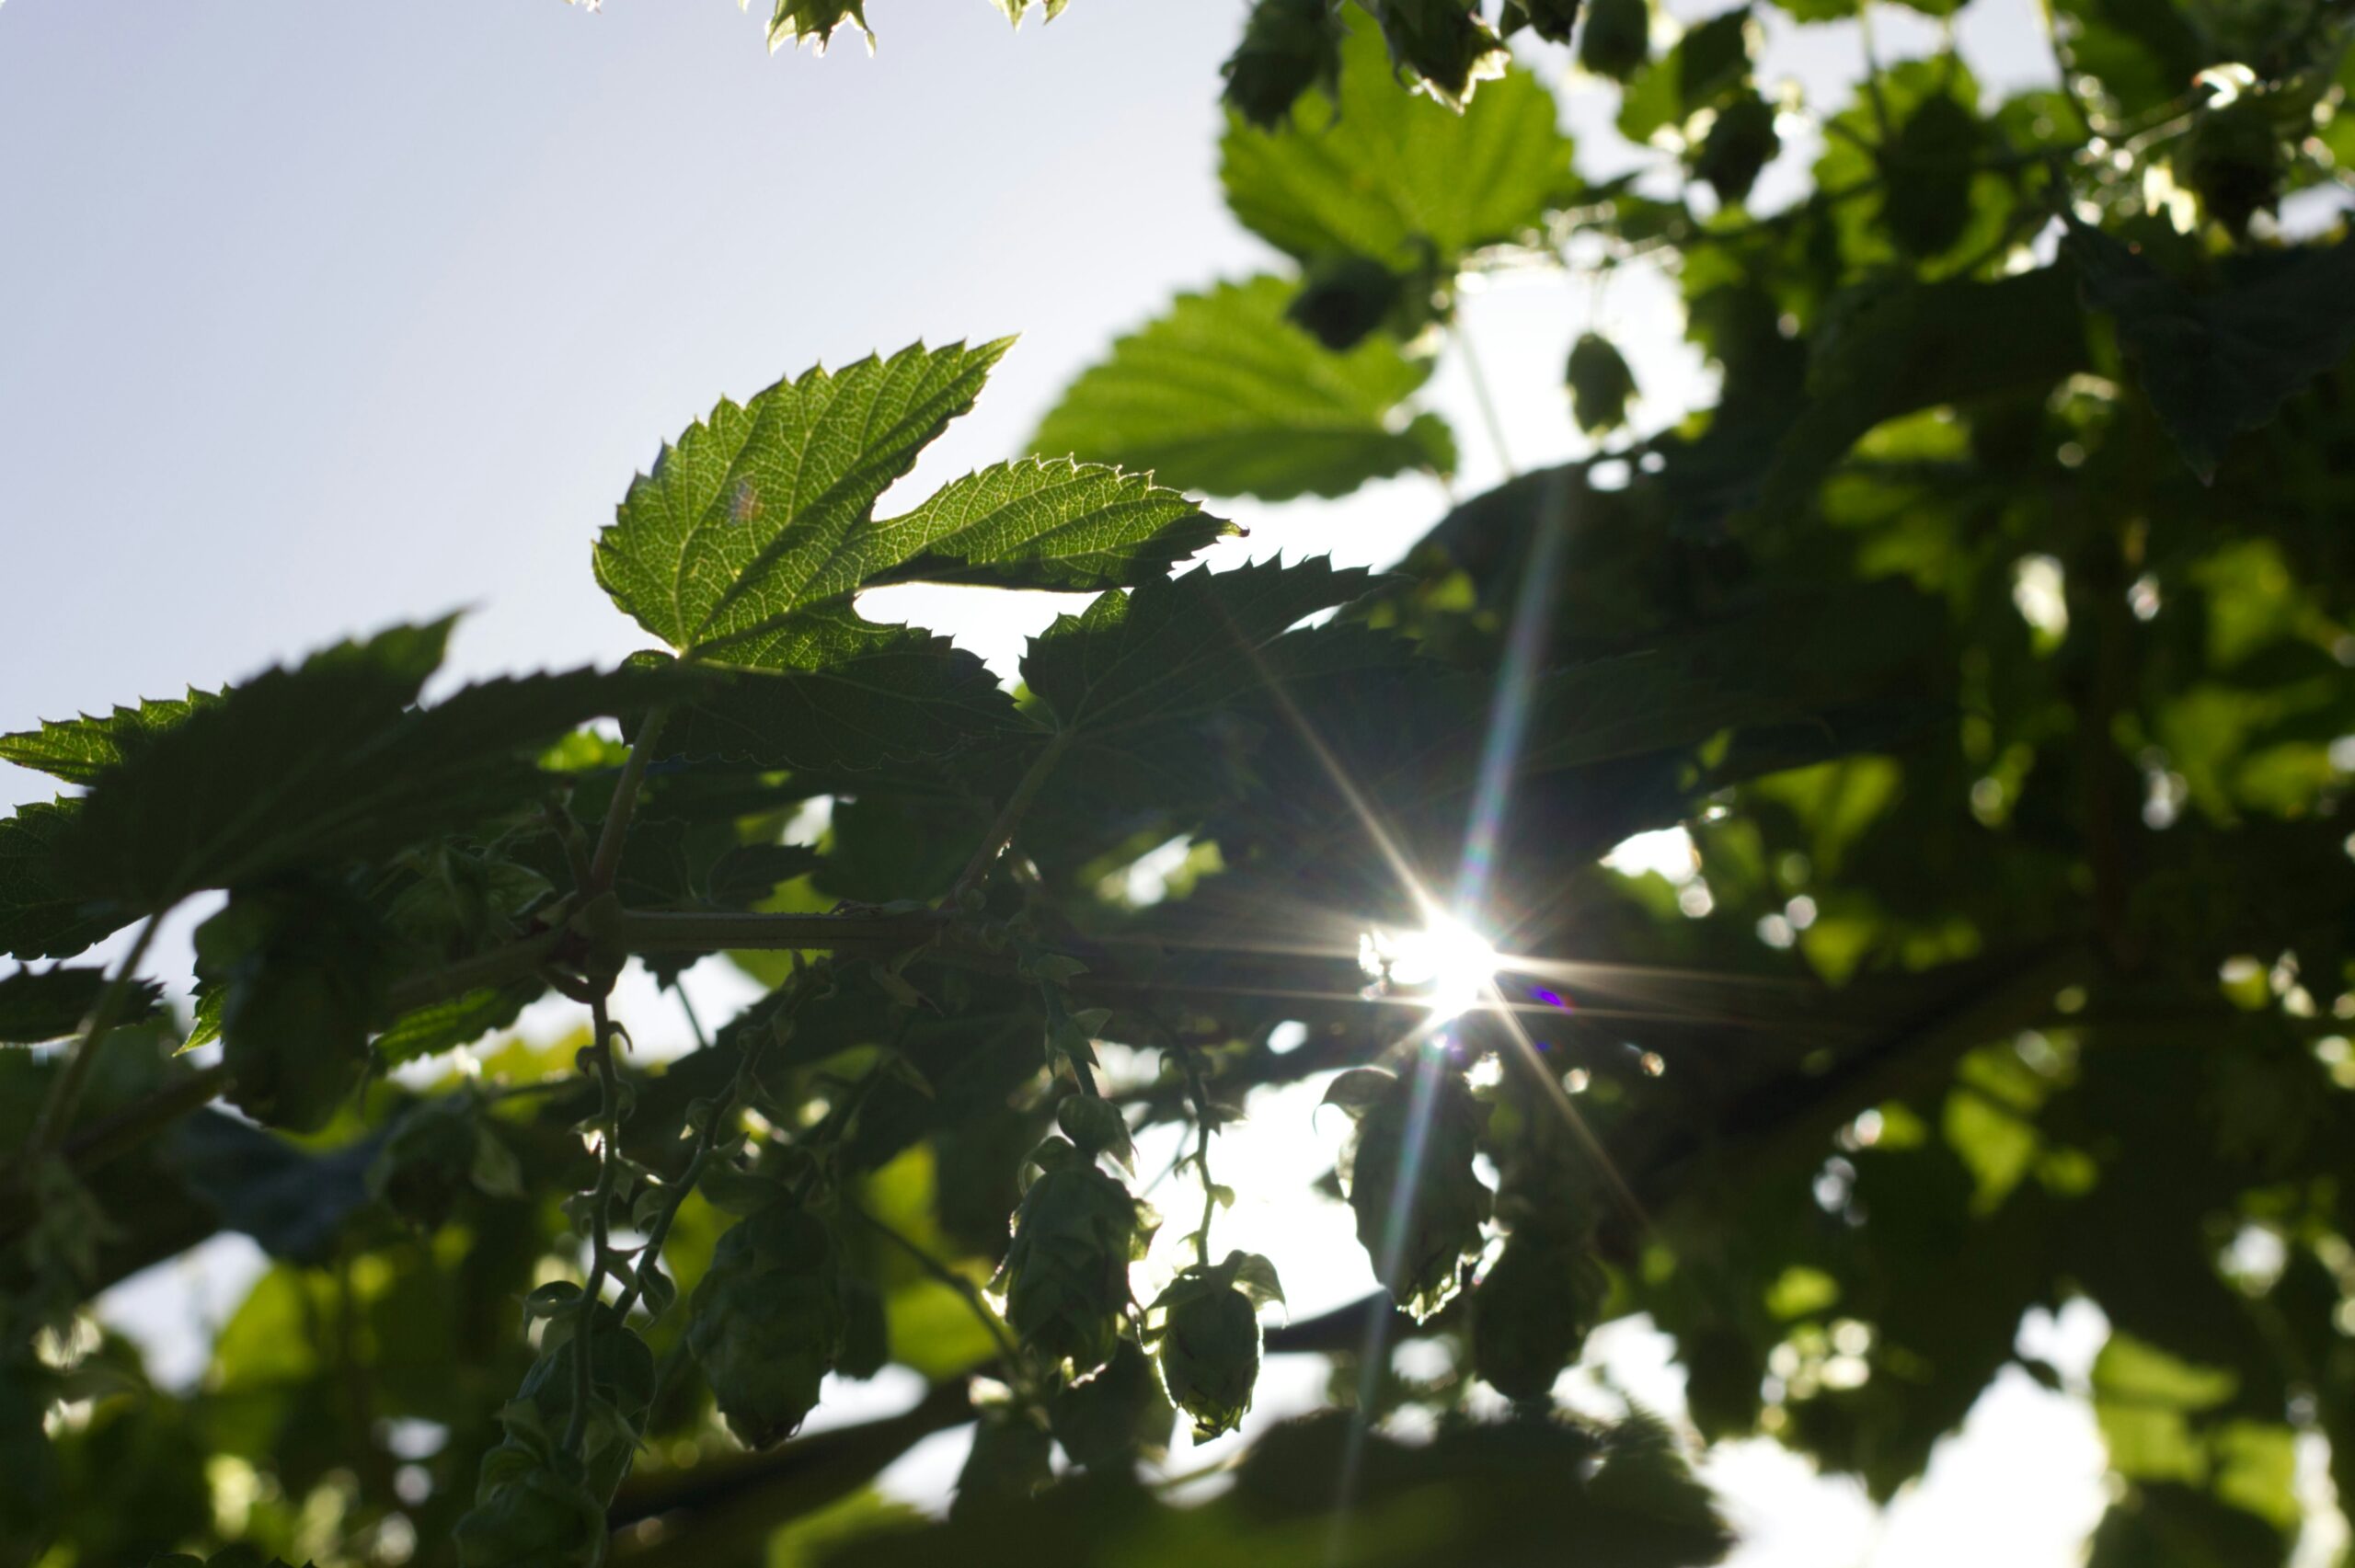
[(617, 815), (601, 1052), (65, 1090), (1009, 817), (1479, 381), (954, 1280)]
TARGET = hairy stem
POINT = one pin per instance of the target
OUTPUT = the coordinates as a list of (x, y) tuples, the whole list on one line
[(608, 858), (1009, 817), (601, 1053), (963, 1286), (1480, 394), (65, 1090)]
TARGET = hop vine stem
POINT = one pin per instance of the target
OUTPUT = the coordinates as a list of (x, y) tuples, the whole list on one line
[(600, 1051), (65, 1090), (1009, 817), (608, 858)]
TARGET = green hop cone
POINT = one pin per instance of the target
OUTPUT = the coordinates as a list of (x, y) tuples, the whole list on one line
[(1550, 19), (298, 968), (424, 1162), (1531, 1312), (768, 1322), (1600, 385), (1426, 1130), (2232, 161), (1094, 1125), (1289, 46), (1209, 1348), (1617, 38), (529, 1513), (1065, 1279), (1928, 172), (1012, 1460), (1105, 1422), (1344, 299), (1740, 143), (1444, 43)]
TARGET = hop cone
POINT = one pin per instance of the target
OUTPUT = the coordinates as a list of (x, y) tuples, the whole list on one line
[(528, 1513), (1210, 1355), (1410, 1180), (1531, 1312), (1065, 1279), (768, 1322)]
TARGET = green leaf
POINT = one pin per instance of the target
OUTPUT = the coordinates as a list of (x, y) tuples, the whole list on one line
[(460, 1021), (1015, 10), (1224, 394), (46, 910), (761, 510), (813, 21), (326, 761), (1396, 177), (49, 1004), (1173, 648), (1886, 350), (844, 693), (1044, 523), (2214, 365), (78, 750)]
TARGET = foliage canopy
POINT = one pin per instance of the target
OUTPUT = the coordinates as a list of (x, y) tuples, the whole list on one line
[(1989, 635)]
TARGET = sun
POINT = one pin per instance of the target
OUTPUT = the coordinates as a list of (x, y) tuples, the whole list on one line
[(1448, 960)]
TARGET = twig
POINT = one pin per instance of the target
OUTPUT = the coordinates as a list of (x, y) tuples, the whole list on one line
[(1479, 381), (608, 858), (601, 1050), (1009, 817), (954, 1280), (65, 1090)]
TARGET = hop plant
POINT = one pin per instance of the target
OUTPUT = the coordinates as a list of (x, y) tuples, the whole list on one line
[(531, 1510), (1065, 1279), (1207, 1326), (768, 1322), (1409, 1176), (1531, 1312)]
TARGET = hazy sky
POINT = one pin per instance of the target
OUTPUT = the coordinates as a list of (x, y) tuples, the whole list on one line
[(319, 316)]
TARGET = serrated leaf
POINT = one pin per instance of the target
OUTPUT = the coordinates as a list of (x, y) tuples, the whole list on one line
[(326, 761), (78, 750), (846, 694), (813, 22), (2214, 365), (1255, 1276), (48, 1004), (762, 509), (1396, 177), (460, 1021), (46, 910), (1173, 648), (1045, 524), (1224, 395)]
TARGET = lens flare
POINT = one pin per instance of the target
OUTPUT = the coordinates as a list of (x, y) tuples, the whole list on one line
[(1447, 960)]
